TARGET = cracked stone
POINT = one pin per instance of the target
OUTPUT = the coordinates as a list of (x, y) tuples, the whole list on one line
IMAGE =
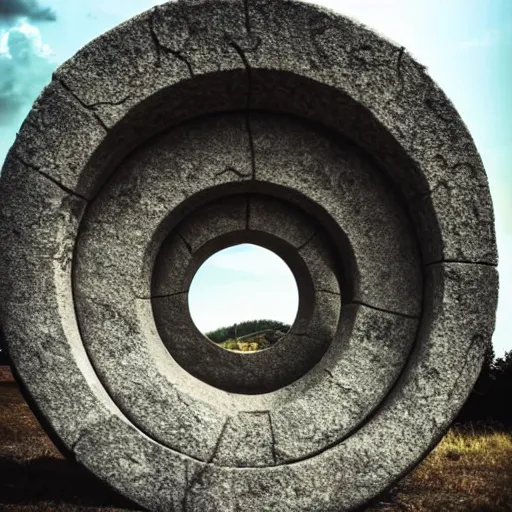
[(385, 165), (40, 143), (247, 441), (353, 192)]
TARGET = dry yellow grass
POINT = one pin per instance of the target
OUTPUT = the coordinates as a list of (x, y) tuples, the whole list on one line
[(467, 472), (247, 345)]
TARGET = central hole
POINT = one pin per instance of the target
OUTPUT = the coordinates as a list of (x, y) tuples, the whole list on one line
[(244, 298)]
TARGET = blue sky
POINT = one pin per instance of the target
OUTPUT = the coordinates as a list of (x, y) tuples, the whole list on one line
[(244, 282), (465, 44)]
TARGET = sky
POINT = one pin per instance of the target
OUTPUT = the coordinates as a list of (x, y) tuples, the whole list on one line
[(244, 282), (465, 44)]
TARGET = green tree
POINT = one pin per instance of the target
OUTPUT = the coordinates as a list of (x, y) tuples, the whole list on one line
[(478, 408), (244, 328)]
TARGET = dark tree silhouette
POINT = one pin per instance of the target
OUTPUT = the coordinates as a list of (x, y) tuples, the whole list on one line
[(489, 402), (501, 391), (477, 408), (245, 328)]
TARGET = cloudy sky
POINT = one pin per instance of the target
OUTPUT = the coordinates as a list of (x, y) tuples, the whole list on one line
[(465, 44)]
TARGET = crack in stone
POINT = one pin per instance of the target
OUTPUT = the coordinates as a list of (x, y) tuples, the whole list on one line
[(62, 187), (459, 165), (382, 310), (110, 103), (156, 42), (20, 160), (272, 437), (234, 171), (335, 382), (65, 189), (248, 69), (309, 240), (442, 159), (248, 213), (476, 212), (84, 105), (247, 19), (201, 472), (317, 28), (98, 103), (181, 399), (161, 47), (163, 296), (81, 435), (187, 245), (443, 182), (401, 79), (462, 262), (184, 499), (327, 291)]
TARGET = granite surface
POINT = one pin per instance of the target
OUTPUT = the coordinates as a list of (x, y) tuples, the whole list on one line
[(201, 124)]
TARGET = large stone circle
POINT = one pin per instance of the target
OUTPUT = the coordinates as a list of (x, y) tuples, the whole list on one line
[(202, 124)]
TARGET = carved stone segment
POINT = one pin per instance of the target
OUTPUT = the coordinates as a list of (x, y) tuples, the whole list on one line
[(115, 254), (247, 441), (61, 158), (378, 77), (126, 366), (271, 216), (409, 422), (201, 45), (38, 222), (346, 183), (121, 234), (359, 370), (262, 371)]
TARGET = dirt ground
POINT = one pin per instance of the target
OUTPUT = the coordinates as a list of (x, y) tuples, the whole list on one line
[(467, 472)]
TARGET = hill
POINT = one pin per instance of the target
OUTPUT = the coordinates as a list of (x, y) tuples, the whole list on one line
[(250, 335)]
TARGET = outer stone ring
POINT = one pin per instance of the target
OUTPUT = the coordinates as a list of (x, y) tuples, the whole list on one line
[(198, 125)]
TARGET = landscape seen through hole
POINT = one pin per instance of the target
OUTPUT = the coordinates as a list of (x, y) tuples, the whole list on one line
[(244, 298)]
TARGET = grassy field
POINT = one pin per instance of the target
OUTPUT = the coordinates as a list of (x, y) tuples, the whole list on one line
[(470, 472), (467, 471), (252, 344)]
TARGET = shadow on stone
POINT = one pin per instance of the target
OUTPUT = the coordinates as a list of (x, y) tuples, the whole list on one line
[(51, 479)]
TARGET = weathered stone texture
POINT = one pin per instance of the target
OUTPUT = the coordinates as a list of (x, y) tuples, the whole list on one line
[(203, 124), (345, 182)]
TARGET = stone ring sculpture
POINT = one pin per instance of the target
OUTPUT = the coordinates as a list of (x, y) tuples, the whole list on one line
[(199, 125)]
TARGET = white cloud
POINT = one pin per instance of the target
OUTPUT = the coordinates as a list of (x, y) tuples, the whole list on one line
[(26, 66), (33, 37)]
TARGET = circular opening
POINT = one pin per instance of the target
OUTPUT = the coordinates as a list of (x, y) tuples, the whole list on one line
[(244, 298)]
